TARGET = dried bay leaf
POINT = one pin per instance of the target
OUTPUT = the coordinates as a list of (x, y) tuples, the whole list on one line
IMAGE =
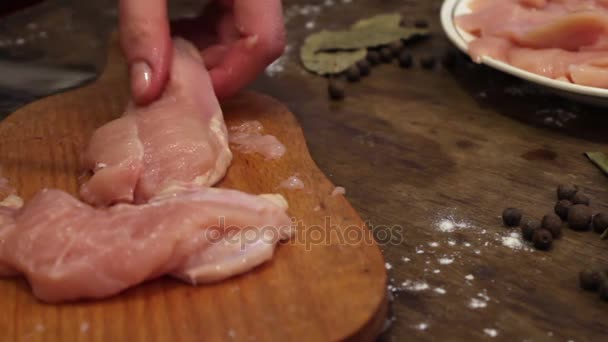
[(332, 52), (599, 159)]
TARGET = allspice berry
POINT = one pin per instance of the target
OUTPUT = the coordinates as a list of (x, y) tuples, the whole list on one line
[(542, 239), (353, 74), (580, 198), (335, 90), (561, 209), (579, 217), (373, 57), (364, 67), (511, 217), (553, 224), (600, 222), (565, 191), (528, 229), (386, 55), (589, 280)]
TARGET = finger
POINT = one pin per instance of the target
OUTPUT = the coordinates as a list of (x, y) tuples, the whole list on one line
[(146, 42), (262, 31)]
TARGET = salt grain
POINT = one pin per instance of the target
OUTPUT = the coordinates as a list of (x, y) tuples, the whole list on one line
[(452, 243), (406, 259), (388, 266), (490, 332), (434, 244), (476, 303), (469, 277), (440, 290), (436, 271)]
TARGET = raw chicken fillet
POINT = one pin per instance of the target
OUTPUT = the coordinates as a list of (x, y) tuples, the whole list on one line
[(179, 138), (69, 250)]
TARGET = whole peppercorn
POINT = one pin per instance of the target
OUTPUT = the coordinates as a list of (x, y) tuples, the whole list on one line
[(396, 47), (603, 289), (566, 191), (428, 62), (579, 217), (405, 59), (373, 57), (600, 222), (553, 224), (580, 198), (542, 239), (589, 280), (528, 229), (386, 55), (335, 90), (511, 217), (364, 67), (561, 209), (353, 74)]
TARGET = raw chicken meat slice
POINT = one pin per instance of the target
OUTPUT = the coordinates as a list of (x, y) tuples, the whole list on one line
[(68, 250), (592, 74), (183, 137)]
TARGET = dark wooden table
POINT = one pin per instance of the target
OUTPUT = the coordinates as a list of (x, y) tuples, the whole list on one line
[(413, 147)]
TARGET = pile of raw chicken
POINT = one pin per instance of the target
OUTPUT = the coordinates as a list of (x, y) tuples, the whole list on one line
[(150, 209), (561, 39)]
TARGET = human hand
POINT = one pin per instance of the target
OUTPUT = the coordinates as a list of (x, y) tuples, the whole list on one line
[(237, 40)]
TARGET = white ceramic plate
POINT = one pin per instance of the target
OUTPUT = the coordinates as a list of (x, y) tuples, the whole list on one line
[(453, 8)]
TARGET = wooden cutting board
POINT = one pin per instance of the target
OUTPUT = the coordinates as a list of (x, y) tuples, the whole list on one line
[(312, 290)]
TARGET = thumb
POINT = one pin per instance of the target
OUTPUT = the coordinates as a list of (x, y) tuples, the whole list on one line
[(146, 42)]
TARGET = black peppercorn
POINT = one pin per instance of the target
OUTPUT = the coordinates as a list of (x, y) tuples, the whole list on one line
[(579, 217), (561, 209), (528, 229), (428, 62), (353, 74), (335, 90), (396, 48), (600, 222), (589, 280), (553, 224), (421, 23), (566, 191), (364, 67), (603, 288), (511, 217), (386, 55), (542, 239), (580, 198), (405, 59), (373, 57)]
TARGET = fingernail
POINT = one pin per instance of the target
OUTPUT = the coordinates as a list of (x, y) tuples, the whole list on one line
[(141, 78)]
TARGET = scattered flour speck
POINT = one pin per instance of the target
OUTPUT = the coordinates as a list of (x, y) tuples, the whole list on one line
[(84, 327), (421, 326), (388, 266), (449, 225), (491, 332), (310, 25), (452, 243), (514, 241), (434, 244), (406, 259), (415, 285), (469, 277), (231, 333), (445, 261), (436, 271), (476, 303), (440, 290), (40, 327)]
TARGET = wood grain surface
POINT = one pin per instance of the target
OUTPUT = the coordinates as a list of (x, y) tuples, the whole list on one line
[(318, 287), (414, 146)]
